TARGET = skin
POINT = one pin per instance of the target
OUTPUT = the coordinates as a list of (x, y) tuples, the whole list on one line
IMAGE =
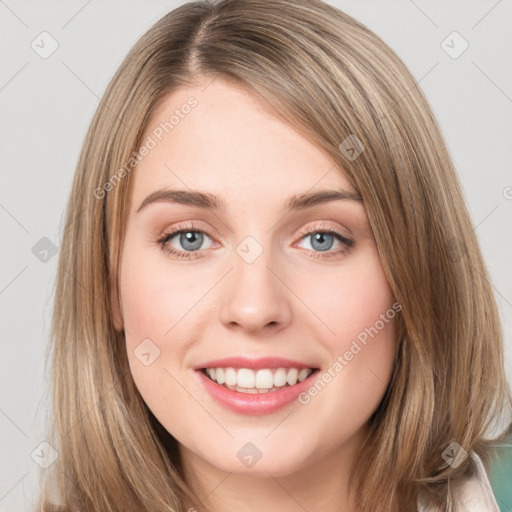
[(286, 303)]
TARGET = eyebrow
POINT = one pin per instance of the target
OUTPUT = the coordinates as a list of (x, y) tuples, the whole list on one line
[(209, 201)]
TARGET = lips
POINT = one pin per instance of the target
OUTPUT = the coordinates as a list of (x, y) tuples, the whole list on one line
[(255, 402)]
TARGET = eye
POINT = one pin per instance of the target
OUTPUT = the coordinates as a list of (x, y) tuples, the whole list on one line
[(190, 238), (322, 240)]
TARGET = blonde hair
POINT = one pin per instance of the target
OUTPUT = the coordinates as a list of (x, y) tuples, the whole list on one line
[(330, 77)]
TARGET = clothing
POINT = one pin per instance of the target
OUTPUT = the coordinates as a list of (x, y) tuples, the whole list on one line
[(474, 494)]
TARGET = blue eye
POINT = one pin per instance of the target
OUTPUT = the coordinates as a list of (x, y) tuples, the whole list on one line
[(322, 240), (190, 239)]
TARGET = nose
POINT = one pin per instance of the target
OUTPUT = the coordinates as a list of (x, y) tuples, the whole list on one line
[(254, 296)]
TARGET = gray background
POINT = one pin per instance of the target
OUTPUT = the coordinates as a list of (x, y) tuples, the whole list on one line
[(46, 107)]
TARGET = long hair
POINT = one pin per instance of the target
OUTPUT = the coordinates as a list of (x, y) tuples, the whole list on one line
[(334, 80)]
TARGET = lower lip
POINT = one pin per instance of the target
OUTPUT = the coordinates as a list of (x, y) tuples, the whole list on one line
[(252, 403)]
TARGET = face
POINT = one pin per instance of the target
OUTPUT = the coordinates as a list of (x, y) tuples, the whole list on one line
[(301, 285)]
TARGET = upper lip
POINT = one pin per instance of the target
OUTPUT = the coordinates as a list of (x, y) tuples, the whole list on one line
[(245, 362)]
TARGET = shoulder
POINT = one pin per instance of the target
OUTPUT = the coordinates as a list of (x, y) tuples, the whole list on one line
[(474, 494)]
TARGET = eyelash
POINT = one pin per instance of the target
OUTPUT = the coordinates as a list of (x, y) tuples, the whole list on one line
[(188, 255)]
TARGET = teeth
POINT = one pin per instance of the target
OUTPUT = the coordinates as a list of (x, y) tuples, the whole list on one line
[(264, 379), (292, 376), (304, 374), (230, 377), (244, 378), (259, 381), (220, 376)]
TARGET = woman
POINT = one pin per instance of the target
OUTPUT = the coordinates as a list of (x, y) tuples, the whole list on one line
[(257, 368)]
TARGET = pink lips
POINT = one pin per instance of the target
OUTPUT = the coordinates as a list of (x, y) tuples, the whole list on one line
[(248, 403)]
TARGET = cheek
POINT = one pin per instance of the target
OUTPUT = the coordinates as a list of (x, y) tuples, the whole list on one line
[(350, 301), (151, 307), (157, 341), (359, 327), (163, 307), (349, 390), (154, 298)]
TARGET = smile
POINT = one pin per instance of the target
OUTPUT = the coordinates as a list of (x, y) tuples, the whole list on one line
[(265, 387)]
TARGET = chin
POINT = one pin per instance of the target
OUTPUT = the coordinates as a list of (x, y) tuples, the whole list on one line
[(258, 460)]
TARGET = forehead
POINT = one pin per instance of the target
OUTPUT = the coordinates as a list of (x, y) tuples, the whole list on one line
[(218, 137)]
